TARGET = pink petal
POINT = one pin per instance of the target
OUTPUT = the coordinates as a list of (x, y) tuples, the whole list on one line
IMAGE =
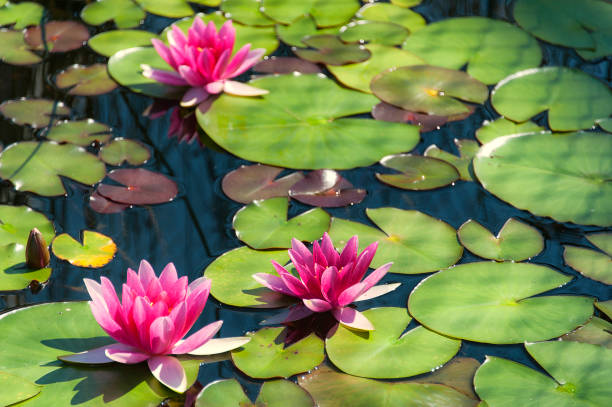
[(272, 282), (205, 64), (134, 282), (179, 318), (125, 354), (352, 318), (329, 279), (242, 89), (377, 291), (347, 296), (237, 60), (192, 77), (294, 313), (110, 326), (250, 60), (349, 252), (169, 371), (329, 250), (221, 65), (197, 339), (297, 247), (199, 27), (296, 286), (161, 334), (168, 276), (146, 274), (214, 87), (227, 35), (362, 264), (317, 305), (198, 292), (164, 52), (194, 96), (318, 256), (375, 276), (95, 290), (220, 345), (177, 38), (94, 356)]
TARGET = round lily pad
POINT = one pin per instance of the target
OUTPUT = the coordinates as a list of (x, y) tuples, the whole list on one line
[(85, 80), (417, 173), (326, 189), (426, 122), (575, 169), (34, 112), (233, 282), (325, 13), (283, 65), (264, 224), (301, 27), (493, 303), (37, 166), (140, 187), (359, 75), (14, 50), (597, 332), (245, 12), (413, 241), (16, 222), (515, 241), (167, 8), (60, 36), (492, 49), (21, 15), (458, 373), (250, 182), (279, 129), (108, 42), (467, 151), (380, 32), (275, 393), (503, 127), (574, 99), (102, 204), (125, 14), (389, 351), (96, 251), (14, 274), (16, 389), (590, 263), (579, 377), (122, 150), (82, 132), (329, 49), (429, 89), (265, 355), (391, 13)]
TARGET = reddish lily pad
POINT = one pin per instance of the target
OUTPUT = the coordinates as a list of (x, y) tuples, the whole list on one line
[(35, 112), (417, 173), (21, 15), (282, 65), (427, 122), (141, 187), (327, 189), (85, 80), (330, 50), (458, 373), (249, 183), (96, 251), (82, 133), (101, 204), (467, 151), (60, 36), (14, 50), (122, 150), (597, 332)]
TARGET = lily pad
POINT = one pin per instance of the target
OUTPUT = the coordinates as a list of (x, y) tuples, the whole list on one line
[(264, 224), (82, 132), (14, 274), (275, 393), (283, 65), (301, 27), (389, 352), (14, 50), (16, 222), (574, 99), (82, 80), (16, 389), (96, 251), (167, 8), (429, 89), (37, 166), (590, 263), (515, 241), (329, 50), (413, 241), (579, 377), (458, 373), (332, 389), (266, 356), (406, 3), (602, 240), (494, 303), (21, 15), (393, 14), (426, 122), (245, 12), (417, 173), (492, 49), (605, 124), (126, 14), (251, 182), (379, 32), (575, 168), (60, 36), (325, 13), (108, 42), (140, 187), (467, 151), (279, 129), (233, 282), (503, 127), (122, 150), (597, 332), (359, 75), (605, 307), (34, 112), (326, 189), (102, 204)]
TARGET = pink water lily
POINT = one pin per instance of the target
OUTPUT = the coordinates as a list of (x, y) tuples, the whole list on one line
[(328, 281), (149, 323), (203, 60)]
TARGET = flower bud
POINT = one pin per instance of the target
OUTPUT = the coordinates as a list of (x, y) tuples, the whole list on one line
[(36, 253)]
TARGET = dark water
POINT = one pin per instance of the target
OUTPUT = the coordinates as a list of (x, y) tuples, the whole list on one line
[(196, 227)]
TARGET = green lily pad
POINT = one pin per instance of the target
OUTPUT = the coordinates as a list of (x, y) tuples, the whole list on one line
[(417, 173), (467, 151), (275, 393), (82, 80), (380, 32), (325, 13), (245, 12), (574, 99), (14, 50), (413, 241), (332, 389), (605, 307), (458, 373), (167, 8), (493, 303), (575, 169), (16, 222), (108, 42), (516, 241), (602, 240), (597, 332), (358, 76), (492, 49), (266, 356), (406, 3), (233, 282), (14, 274), (605, 124), (34, 112), (393, 14), (21, 15), (96, 251), (389, 352), (501, 126), (429, 89), (590, 263), (264, 224), (126, 14), (82, 132), (301, 27), (279, 129), (122, 150), (579, 377), (328, 49), (37, 166), (16, 389)]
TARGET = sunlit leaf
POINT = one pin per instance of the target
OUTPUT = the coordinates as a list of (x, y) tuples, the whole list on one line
[(122, 150), (503, 127), (14, 50), (329, 49), (325, 13), (417, 172), (81, 132), (379, 11), (126, 14), (15, 389), (85, 80), (245, 12), (467, 151), (97, 250), (109, 42), (14, 274), (21, 15), (275, 393), (16, 222), (380, 32), (34, 112)]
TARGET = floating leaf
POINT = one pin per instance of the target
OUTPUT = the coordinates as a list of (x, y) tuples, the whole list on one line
[(458, 373), (328, 49), (14, 50), (249, 183), (597, 332), (493, 303), (126, 14), (283, 65), (16, 222), (34, 112), (427, 122), (82, 133), (325, 13), (279, 129), (380, 32), (327, 189), (590, 263), (122, 150), (141, 187), (515, 241), (413, 241), (21, 15), (492, 49), (602, 240), (96, 251), (503, 127), (406, 3), (565, 176), (301, 27), (14, 274), (389, 351), (101, 204), (264, 224), (167, 8), (37, 166), (109, 42), (605, 124), (579, 377), (245, 12), (16, 389), (85, 80), (60, 36), (605, 307), (275, 393), (574, 99), (467, 151), (417, 173), (393, 14)]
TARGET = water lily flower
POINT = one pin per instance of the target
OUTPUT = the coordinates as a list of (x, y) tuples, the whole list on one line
[(150, 322), (328, 281), (203, 60)]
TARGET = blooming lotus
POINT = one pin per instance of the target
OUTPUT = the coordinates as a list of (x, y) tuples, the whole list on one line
[(203, 60), (329, 281), (150, 322)]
